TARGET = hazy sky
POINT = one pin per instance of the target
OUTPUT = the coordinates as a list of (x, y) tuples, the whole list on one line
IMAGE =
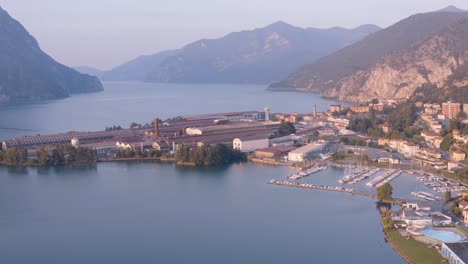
[(104, 33)]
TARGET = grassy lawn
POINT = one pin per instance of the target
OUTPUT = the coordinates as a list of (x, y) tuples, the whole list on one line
[(413, 250), (462, 230)]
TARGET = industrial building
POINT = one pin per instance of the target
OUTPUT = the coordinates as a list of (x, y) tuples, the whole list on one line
[(233, 127), (250, 143), (305, 152)]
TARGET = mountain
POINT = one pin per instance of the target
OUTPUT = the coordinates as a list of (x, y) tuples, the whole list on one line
[(137, 69), (262, 55), (440, 61), (257, 56), (89, 70), (332, 74), (27, 73), (452, 9)]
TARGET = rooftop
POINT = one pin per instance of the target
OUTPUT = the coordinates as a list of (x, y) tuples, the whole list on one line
[(308, 148)]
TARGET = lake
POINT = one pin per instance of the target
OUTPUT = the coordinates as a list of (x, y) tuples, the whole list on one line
[(150, 212)]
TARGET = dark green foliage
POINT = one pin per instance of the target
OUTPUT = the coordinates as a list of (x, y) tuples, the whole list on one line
[(387, 220), (130, 154), (15, 156), (448, 196), (403, 116), (286, 128), (209, 155), (447, 142), (384, 192), (338, 156), (113, 128), (64, 155), (455, 209)]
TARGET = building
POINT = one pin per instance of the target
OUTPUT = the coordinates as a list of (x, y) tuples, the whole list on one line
[(250, 143), (233, 127), (377, 107), (359, 108), (456, 253), (303, 153), (387, 128), (340, 123), (458, 155), (134, 143), (290, 140), (410, 149), (335, 108), (275, 153), (451, 110), (383, 141)]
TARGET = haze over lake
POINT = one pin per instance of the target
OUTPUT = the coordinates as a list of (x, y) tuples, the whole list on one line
[(124, 103)]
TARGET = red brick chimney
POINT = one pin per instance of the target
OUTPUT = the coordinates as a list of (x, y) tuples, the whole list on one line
[(156, 127)]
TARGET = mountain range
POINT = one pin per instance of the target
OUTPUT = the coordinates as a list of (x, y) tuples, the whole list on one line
[(27, 73), (261, 55), (421, 50)]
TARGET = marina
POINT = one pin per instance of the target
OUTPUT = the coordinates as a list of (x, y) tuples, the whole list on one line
[(426, 196), (383, 177), (305, 173), (442, 185), (356, 175)]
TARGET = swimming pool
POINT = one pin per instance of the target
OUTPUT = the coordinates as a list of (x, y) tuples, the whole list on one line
[(441, 235)]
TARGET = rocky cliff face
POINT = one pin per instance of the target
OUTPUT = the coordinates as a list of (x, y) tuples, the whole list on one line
[(386, 63), (438, 61), (27, 73)]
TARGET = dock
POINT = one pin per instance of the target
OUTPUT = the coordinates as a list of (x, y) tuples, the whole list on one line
[(330, 188)]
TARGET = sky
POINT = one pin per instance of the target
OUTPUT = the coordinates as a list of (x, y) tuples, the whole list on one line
[(106, 33)]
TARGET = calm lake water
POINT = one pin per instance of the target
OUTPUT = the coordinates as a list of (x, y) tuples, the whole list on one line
[(147, 212), (150, 212)]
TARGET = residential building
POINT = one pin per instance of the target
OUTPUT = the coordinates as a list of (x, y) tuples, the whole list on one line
[(359, 108), (383, 141), (335, 108), (387, 128), (458, 155), (451, 110)]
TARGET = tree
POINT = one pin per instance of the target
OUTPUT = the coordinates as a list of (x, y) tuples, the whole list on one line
[(448, 196), (384, 192), (16, 156), (447, 142), (286, 128)]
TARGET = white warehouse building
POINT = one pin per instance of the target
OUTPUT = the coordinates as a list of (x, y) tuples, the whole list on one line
[(302, 153), (251, 143)]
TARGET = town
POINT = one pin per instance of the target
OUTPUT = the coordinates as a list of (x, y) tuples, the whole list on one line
[(376, 143)]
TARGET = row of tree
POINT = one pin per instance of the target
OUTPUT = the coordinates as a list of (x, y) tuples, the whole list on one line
[(65, 155), (209, 155), (59, 155), (129, 154)]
